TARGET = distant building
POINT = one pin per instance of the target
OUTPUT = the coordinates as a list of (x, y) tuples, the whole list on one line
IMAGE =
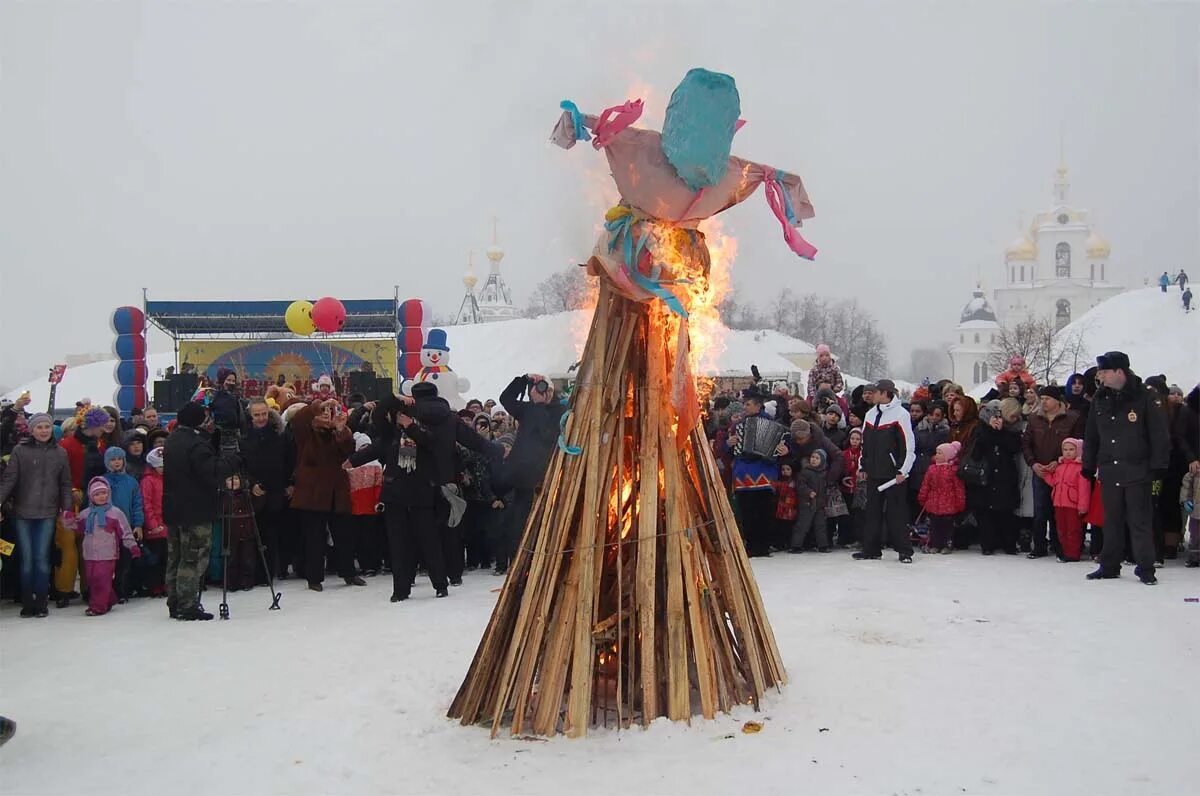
[(1059, 268), (493, 302)]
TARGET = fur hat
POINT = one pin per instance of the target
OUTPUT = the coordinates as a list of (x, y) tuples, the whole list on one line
[(424, 389), (949, 450), (97, 484), (155, 458), (113, 453), (1051, 391), (192, 415), (989, 410), (96, 418), (1113, 360)]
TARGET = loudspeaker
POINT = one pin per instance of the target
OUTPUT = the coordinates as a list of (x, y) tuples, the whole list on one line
[(383, 389), (162, 396), (361, 382), (183, 387)]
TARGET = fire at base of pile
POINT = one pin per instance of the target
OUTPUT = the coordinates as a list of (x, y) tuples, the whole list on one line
[(631, 595)]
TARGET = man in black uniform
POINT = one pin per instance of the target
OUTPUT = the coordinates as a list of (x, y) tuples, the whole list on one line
[(1125, 443)]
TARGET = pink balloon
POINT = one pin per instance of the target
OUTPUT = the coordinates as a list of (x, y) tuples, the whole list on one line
[(329, 315)]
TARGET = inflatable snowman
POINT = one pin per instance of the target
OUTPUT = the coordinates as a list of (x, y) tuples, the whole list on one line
[(435, 369)]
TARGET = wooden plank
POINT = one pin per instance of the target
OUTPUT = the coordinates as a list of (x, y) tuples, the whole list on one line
[(678, 702), (648, 524)]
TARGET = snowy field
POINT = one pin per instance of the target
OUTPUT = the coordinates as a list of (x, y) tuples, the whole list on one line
[(959, 674)]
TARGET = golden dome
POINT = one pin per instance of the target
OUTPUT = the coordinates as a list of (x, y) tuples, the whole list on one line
[(1097, 246), (469, 279), (1021, 249)]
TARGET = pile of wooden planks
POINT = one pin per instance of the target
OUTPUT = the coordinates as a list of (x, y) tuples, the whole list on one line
[(631, 596)]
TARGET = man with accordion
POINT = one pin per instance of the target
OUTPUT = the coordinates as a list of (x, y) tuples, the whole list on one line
[(756, 444)]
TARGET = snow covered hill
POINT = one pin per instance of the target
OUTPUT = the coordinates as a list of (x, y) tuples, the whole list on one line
[(1151, 327)]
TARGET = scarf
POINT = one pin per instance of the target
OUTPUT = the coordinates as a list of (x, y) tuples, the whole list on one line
[(97, 518)]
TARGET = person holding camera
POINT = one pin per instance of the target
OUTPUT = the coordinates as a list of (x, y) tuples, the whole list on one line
[(321, 493), (193, 471), (538, 420)]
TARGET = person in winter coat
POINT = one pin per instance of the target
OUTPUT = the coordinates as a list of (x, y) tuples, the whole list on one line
[(1187, 299), (411, 481), (832, 426), (1017, 371), (810, 514), (154, 532), (536, 438), (754, 479), (1076, 396), (1041, 447), (1181, 279), (1071, 494), (38, 478), (237, 517), (1127, 427), (502, 533), (786, 506), (1163, 281), (480, 495), (964, 418), (322, 492), (932, 430), (825, 369), (13, 418), (847, 527), (1189, 499), (366, 487), (943, 497), (268, 467), (192, 473), (126, 495), (993, 503), (104, 529), (135, 453), (889, 451)]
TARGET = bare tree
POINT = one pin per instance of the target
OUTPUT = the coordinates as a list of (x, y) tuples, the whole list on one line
[(560, 292), (1048, 351)]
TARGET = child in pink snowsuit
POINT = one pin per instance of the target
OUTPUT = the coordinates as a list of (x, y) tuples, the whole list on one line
[(1071, 496), (104, 527), (943, 496)]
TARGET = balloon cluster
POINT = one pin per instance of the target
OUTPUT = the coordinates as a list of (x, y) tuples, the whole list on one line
[(327, 315), (131, 372)]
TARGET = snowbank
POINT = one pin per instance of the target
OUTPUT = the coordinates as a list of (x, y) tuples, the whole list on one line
[(953, 675), (1151, 327)]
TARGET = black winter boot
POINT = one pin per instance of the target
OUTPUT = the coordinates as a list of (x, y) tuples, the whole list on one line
[(40, 606), (28, 605), (1103, 574)]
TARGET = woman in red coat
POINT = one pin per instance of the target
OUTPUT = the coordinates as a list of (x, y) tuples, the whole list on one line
[(322, 492)]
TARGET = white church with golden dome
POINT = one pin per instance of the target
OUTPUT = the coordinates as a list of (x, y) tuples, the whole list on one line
[(1059, 268), (493, 302)]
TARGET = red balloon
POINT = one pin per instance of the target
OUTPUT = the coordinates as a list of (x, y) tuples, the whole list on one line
[(329, 315)]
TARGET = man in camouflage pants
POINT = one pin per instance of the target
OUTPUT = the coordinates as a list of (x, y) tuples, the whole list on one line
[(192, 473)]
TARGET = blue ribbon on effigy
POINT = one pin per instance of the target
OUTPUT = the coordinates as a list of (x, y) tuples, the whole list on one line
[(787, 200), (623, 227), (570, 450), (581, 133)]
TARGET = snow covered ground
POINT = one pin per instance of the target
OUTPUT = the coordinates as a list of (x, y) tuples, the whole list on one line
[(956, 675)]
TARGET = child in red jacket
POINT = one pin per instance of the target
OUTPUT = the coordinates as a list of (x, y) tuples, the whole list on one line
[(154, 535), (1071, 496), (786, 506), (943, 497)]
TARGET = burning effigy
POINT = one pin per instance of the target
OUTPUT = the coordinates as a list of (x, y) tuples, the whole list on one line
[(631, 595)]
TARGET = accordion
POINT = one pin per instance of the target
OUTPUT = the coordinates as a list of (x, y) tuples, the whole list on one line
[(760, 437)]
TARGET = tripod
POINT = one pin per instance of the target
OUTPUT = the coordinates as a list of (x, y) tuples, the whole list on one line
[(228, 514)]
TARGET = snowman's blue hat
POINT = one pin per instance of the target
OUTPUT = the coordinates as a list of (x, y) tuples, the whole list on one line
[(437, 340)]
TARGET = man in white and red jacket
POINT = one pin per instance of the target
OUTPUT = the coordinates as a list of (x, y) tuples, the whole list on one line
[(888, 453)]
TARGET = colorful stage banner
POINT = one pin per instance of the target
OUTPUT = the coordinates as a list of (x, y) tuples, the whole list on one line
[(261, 363)]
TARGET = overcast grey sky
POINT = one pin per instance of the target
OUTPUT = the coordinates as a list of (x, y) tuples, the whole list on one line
[(291, 150)]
